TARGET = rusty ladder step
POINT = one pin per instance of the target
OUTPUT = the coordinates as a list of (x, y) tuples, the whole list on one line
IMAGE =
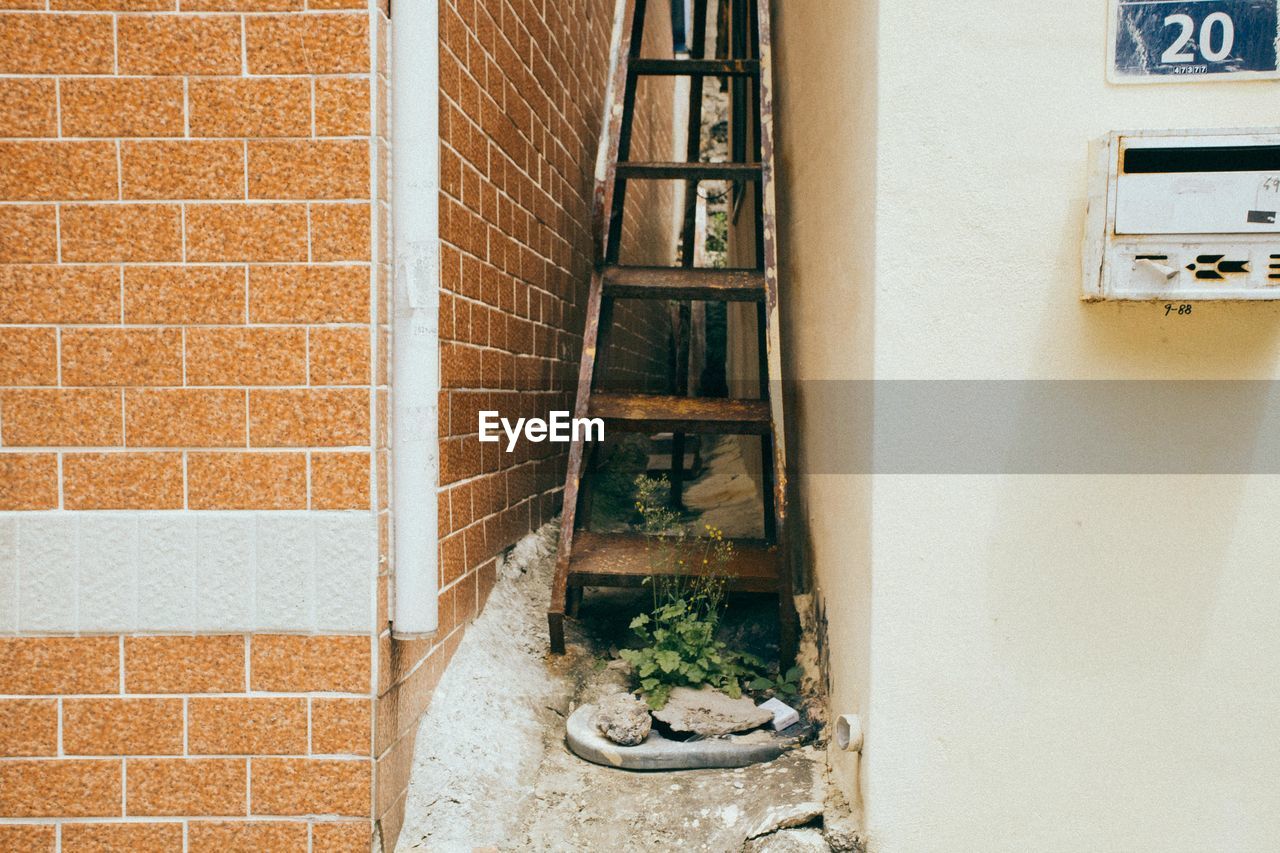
[(690, 171), (656, 413), (712, 285), (698, 67), (626, 559)]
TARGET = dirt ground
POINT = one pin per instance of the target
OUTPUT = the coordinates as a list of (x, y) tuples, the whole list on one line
[(491, 769)]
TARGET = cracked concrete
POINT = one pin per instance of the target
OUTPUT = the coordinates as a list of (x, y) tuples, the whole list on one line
[(491, 769)]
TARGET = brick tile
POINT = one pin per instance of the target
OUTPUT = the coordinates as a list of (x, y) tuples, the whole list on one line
[(56, 44), (299, 786), (308, 44), (28, 107), (79, 788), (247, 726), (247, 481), (255, 356), (113, 5), (341, 726), (340, 232), (286, 663), (29, 838), (246, 836), (179, 44), (212, 664), (122, 481), (28, 357), (309, 294), (28, 481), (49, 665), (58, 171), (186, 786), (341, 836), (122, 107), (309, 417), (340, 481), (122, 357), (61, 418), (183, 417), (339, 356), (184, 295), (307, 169), (246, 232), (121, 837), (122, 726), (191, 169), (28, 233), (342, 107), (59, 294), (336, 4), (250, 107), (28, 727), (121, 232)]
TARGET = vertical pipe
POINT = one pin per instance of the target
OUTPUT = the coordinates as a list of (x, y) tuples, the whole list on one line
[(415, 374)]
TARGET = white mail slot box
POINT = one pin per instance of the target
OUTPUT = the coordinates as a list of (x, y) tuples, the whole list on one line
[(1182, 216)]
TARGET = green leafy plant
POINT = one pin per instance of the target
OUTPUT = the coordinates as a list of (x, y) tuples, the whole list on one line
[(786, 684), (678, 645)]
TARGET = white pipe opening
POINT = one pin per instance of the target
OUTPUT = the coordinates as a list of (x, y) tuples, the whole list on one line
[(415, 372)]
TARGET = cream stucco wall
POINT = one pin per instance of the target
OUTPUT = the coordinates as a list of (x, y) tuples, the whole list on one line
[(1044, 663)]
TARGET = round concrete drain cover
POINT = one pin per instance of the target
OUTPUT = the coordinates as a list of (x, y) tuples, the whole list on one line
[(660, 753)]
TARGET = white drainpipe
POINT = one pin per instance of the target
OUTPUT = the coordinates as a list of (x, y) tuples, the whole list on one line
[(415, 374)]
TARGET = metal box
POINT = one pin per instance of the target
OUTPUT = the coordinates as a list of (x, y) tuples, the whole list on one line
[(1184, 216)]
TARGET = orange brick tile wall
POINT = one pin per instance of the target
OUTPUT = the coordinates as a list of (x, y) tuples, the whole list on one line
[(185, 255), (134, 743), (193, 222)]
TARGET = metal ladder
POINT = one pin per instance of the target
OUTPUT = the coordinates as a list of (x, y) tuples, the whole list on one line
[(623, 560)]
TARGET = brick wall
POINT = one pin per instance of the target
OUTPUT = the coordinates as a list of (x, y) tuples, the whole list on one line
[(192, 239), (185, 257), (136, 743)]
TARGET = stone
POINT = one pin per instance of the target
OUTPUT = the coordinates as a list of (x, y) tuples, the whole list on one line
[(710, 713), (785, 816), (659, 753), (623, 719)]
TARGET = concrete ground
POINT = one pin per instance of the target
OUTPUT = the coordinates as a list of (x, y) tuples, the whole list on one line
[(491, 769)]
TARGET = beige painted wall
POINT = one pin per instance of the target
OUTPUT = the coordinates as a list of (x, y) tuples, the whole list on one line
[(1044, 663)]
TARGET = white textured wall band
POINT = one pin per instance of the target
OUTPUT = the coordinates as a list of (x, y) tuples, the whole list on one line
[(153, 571)]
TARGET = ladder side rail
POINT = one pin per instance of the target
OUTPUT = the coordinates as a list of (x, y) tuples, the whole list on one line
[(619, 121)]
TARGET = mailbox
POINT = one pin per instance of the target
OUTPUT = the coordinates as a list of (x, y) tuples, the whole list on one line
[(1184, 216)]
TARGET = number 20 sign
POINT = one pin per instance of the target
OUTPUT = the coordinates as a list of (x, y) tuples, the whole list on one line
[(1178, 41)]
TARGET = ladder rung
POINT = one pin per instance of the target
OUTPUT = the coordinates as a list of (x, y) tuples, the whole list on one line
[(698, 67), (625, 560), (690, 171), (712, 285), (654, 413)]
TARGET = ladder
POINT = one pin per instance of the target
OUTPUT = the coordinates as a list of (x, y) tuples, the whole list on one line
[(623, 560)]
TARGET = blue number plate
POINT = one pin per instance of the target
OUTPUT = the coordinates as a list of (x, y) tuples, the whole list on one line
[(1191, 39)]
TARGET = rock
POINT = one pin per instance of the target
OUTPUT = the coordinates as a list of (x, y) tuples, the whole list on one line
[(785, 816), (789, 841), (710, 713), (623, 719)]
